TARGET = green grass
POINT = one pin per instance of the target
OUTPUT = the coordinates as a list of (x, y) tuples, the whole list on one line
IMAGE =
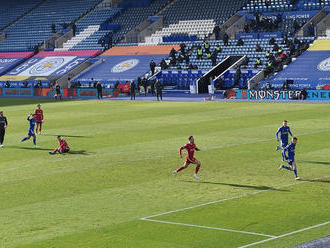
[(120, 168)]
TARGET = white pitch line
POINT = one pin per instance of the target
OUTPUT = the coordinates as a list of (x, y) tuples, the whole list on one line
[(286, 234), (209, 227), (230, 198)]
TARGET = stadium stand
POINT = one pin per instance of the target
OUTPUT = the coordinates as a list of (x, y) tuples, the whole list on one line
[(123, 64), (12, 10), (89, 30), (35, 27), (219, 11), (309, 71)]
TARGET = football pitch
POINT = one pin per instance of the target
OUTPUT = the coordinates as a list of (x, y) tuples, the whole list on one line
[(116, 189)]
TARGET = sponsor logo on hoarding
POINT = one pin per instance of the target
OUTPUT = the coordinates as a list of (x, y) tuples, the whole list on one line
[(324, 65), (273, 94), (125, 65)]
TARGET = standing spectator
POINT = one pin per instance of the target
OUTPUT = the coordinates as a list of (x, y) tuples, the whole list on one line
[(152, 67), (225, 39), (99, 90), (218, 48), (110, 41), (103, 42), (214, 58), (152, 84), (183, 47), (206, 46), (74, 29), (3, 126), (258, 63), (58, 93), (172, 52), (199, 52), (132, 90), (7, 84), (272, 41), (163, 64), (145, 85), (159, 90), (216, 32), (53, 28)]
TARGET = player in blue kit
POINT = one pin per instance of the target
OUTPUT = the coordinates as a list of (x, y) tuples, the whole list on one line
[(284, 131), (290, 149), (32, 120)]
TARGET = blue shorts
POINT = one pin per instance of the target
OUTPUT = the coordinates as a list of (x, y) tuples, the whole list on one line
[(290, 161), (31, 132), (284, 143)]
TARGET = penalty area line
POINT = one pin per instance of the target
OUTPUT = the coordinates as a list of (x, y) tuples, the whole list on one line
[(285, 235), (232, 198), (209, 227)]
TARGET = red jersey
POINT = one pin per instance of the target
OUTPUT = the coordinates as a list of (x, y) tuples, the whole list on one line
[(63, 144), (39, 115), (191, 148)]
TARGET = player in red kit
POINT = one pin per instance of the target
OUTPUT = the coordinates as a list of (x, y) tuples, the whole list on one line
[(190, 159), (63, 146), (39, 116)]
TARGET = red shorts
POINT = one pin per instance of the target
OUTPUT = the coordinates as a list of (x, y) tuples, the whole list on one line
[(64, 150), (191, 160)]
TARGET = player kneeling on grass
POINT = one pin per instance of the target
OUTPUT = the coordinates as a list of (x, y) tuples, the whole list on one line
[(63, 147), (291, 153), (191, 148)]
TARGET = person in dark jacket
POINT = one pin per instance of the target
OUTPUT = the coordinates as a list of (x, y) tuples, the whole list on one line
[(159, 90), (99, 90), (225, 39), (132, 90), (3, 126), (145, 86), (214, 58), (152, 67)]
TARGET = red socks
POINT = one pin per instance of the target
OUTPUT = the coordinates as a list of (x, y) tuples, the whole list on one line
[(180, 169), (197, 169)]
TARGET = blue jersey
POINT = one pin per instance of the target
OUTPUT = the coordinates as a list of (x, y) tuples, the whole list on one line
[(32, 124), (284, 131), (291, 151)]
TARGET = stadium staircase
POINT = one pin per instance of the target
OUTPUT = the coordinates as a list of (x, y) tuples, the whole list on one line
[(87, 32)]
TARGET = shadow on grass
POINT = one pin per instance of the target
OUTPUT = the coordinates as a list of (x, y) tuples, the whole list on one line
[(64, 135), (80, 152), (315, 180), (261, 187), (31, 148), (316, 162)]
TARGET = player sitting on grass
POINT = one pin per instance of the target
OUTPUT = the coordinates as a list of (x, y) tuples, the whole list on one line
[(63, 147), (32, 120), (191, 148), (285, 131), (291, 153)]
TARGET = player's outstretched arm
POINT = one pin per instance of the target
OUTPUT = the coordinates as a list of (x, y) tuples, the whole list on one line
[(197, 149), (180, 150), (290, 132)]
